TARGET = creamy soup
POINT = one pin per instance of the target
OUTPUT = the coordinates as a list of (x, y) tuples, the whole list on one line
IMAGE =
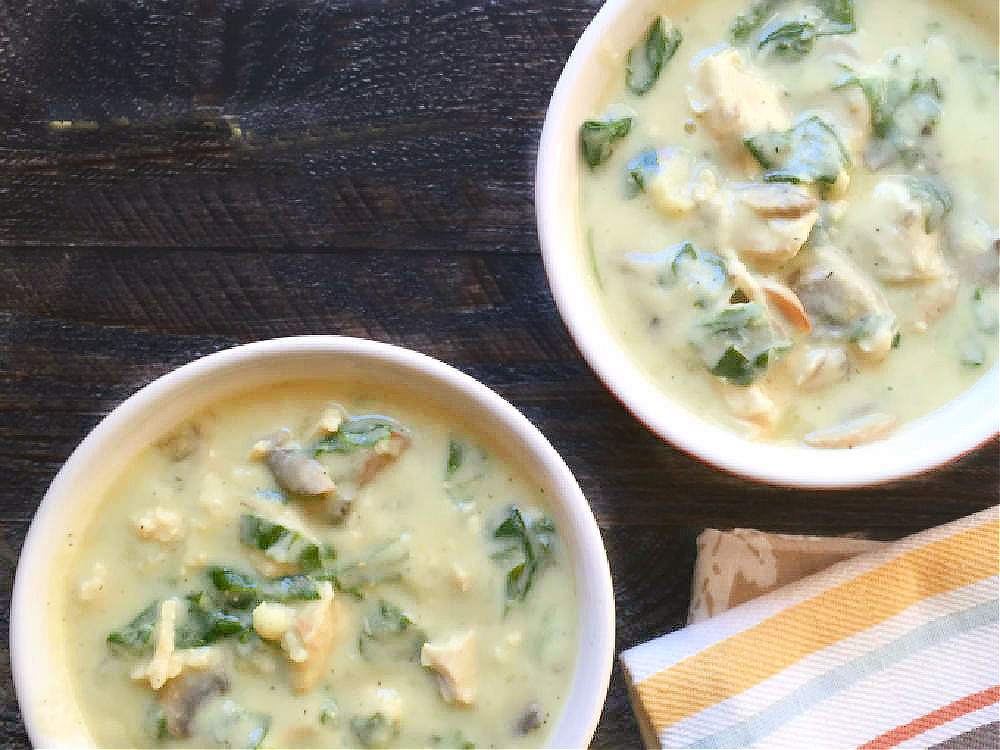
[(790, 211), (317, 565)]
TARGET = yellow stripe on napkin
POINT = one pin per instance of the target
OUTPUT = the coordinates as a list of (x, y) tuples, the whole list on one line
[(750, 657)]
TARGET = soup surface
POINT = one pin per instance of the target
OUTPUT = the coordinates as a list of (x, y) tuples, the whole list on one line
[(790, 211), (318, 565)]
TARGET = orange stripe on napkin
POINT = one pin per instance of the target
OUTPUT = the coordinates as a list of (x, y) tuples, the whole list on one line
[(741, 661), (943, 715)]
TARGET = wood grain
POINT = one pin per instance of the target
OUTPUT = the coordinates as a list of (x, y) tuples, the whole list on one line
[(379, 185)]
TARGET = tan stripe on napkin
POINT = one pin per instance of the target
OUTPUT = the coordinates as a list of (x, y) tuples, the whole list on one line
[(736, 566)]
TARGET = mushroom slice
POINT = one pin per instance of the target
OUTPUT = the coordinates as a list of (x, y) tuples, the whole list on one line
[(182, 696), (787, 303), (295, 470), (852, 433), (386, 452), (777, 200)]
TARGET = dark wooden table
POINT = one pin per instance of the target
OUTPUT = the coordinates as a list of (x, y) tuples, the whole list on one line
[(237, 171)]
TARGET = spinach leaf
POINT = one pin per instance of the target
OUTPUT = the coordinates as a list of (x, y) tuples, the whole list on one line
[(454, 740), (534, 539), (646, 59), (810, 152), (382, 563), (596, 137), (984, 310), (282, 544), (136, 635), (242, 590), (900, 113), (206, 623), (156, 723), (456, 451), (790, 39), (642, 168), (391, 628), (231, 725), (376, 730), (703, 273), (840, 13), (355, 433), (759, 12), (793, 38), (737, 342), (934, 197), (971, 352), (329, 714)]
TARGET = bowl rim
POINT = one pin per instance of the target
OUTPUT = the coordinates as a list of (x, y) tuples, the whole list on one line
[(969, 420), (596, 623)]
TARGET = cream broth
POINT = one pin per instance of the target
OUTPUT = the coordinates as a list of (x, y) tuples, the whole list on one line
[(372, 581), (796, 228)]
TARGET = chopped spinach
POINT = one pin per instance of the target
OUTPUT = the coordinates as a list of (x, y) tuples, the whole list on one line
[(242, 590), (596, 137), (793, 37), (790, 39), (737, 342), (971, 352), (376, 730), (865, 326), (934, 197), (393, 632), (759, 12), (206, 623), (355, 433), (136, 635), (901, 113), (646, 59), (329, 714), (533, 538), (642, 168), (282, 544), (703, 273), (984, 310), (452, 740), (156, 723), (231, 725), (464, 471), (382, 563), (810, 152)]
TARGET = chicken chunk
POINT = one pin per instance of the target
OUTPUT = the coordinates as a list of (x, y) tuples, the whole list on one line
[(841, 300), (733, 101), (752, 405), (306, 634), (161, 525), (894, 227), (454, 663), (678, 184), (766, 222)]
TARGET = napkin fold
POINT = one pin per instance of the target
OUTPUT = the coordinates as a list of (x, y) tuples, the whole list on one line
[(893, 647)]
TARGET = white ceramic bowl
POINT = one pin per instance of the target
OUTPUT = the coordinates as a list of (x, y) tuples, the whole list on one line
[(941, 436), (39, 664)]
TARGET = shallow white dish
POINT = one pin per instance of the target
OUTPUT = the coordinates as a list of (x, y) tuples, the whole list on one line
[(945, 434), (39, 667)]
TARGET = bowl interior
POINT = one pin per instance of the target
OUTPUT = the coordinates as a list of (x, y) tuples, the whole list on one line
[(47, 702), (923, 444)]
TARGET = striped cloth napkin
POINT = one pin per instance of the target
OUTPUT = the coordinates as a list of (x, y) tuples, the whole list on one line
[(896, 647)]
